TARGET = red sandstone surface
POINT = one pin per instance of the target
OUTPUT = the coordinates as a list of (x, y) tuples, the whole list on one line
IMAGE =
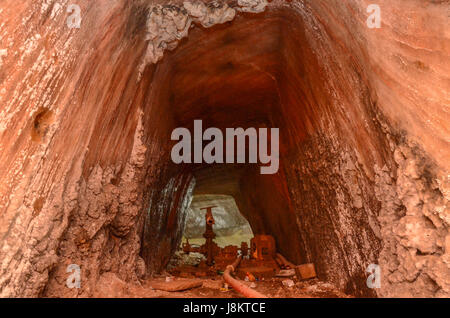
[(86, 117)]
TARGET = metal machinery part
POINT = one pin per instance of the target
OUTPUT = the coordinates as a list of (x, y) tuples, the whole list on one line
[(261, 259), (238, 286), (209, 235)]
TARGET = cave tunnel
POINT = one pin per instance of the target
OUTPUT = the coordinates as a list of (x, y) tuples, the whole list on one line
[(87, 174), (243, 80)]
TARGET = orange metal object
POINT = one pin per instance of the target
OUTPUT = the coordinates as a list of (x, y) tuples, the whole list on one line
[(238, 286), (209, 235), (263, 247)]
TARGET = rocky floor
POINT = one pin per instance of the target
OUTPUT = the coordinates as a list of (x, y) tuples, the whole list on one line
[(273, 288), (214, 288), (174, 283)]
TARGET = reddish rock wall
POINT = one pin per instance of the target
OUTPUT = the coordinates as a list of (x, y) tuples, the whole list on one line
[(86, 117)]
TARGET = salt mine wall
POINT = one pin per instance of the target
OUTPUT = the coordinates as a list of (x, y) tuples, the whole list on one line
[(86, 116)]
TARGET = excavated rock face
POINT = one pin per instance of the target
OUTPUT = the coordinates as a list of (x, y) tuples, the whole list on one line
[(86, 117)]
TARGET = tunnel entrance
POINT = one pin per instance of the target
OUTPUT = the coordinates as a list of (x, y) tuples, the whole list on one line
[(230, 76), (230, 226), (319, 206)]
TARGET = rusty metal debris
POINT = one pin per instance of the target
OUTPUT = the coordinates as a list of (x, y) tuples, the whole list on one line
[(211, 248), (255, 263), (238, 286)]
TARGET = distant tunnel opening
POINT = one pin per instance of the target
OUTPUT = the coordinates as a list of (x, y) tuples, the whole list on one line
[(230, 227)]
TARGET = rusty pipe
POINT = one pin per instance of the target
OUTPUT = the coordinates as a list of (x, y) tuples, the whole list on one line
[(238, 286), (210, 220)]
